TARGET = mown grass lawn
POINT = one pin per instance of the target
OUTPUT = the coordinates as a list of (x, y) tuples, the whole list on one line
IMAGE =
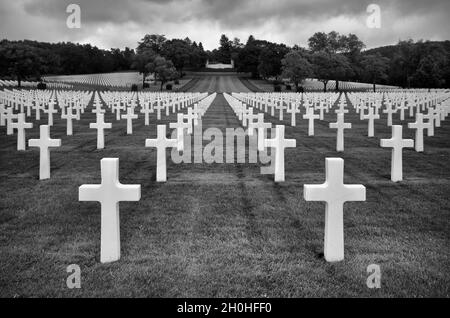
[(225, 230)]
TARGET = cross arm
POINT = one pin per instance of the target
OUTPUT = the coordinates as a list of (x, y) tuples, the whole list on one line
[(315, 192), (128, 192), (354, 192), (88, 192)]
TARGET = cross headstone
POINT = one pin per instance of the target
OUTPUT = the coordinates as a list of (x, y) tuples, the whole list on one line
[(419, 126), (180, 126), (371, 116), (9, 117), (100, 125), (279, 144), (262, 127), (340, 125), (397, 143), (21, 125), (50, 111), (335, 193), (110, 193), (146, 111), (293, 110), (311, 117), (69, 116), (44, 143), (129, 117), (389, 111), (431, 118), (161, 143), (191, 116), (158, 108)]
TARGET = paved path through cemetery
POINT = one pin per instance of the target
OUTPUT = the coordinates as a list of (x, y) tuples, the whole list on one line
[(219, 84)]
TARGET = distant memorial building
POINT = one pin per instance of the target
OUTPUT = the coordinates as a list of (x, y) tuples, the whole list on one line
[(219, 66)]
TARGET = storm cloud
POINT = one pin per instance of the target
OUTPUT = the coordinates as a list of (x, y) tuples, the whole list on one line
[(120, 23)]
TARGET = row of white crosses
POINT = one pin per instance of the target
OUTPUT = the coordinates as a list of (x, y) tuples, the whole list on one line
[(71, 105), (256, 121), (118, 101), (150, 102), (311, 103), (161, 143), (111, 192), (436, 105), (291, 103)]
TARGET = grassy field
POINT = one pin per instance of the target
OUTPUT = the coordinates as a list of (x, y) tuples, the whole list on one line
[(225, 230)]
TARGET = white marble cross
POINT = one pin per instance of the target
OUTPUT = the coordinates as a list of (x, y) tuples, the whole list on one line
[(158, 108), (341, 109), (100, 125), (37, 109), (21, 125), (431, 118), (44, 143), (322, 107), (397, 143), (110, 193), (9, 117), (371, 116), (129, 117), (335, 193), (180, 126), (191, 116), (279, 144), (281, 109), (3, 112), (50, 111), (161, 144), (98, 107), (251, 117), (146, 111), (437, 115), (389, 111), (419, 126), (311, 117), (69, 116), (293, 110), (247, 113), (340, 125), (262, 127)]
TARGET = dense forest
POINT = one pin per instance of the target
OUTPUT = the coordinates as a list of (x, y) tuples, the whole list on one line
[(328, 57)]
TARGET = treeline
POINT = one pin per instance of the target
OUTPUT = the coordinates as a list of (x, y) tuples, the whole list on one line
[(335, 57), (328, 57), (419, 64), (23, 59)]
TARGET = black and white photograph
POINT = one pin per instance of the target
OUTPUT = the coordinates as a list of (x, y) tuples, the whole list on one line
[(244, 150)]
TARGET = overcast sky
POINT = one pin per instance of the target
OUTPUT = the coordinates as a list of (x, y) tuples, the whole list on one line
[(120, 23)]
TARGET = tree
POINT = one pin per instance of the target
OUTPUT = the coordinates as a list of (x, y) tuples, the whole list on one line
[(144, 63), (224, 52), (322, 65), (179, 52), (164, 70), (296, 67), (21, 60), (152, 42), (351, 44), (318, 42), (248, 59), (270, 60), (375, 68), (341, 69), (428, 74)]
